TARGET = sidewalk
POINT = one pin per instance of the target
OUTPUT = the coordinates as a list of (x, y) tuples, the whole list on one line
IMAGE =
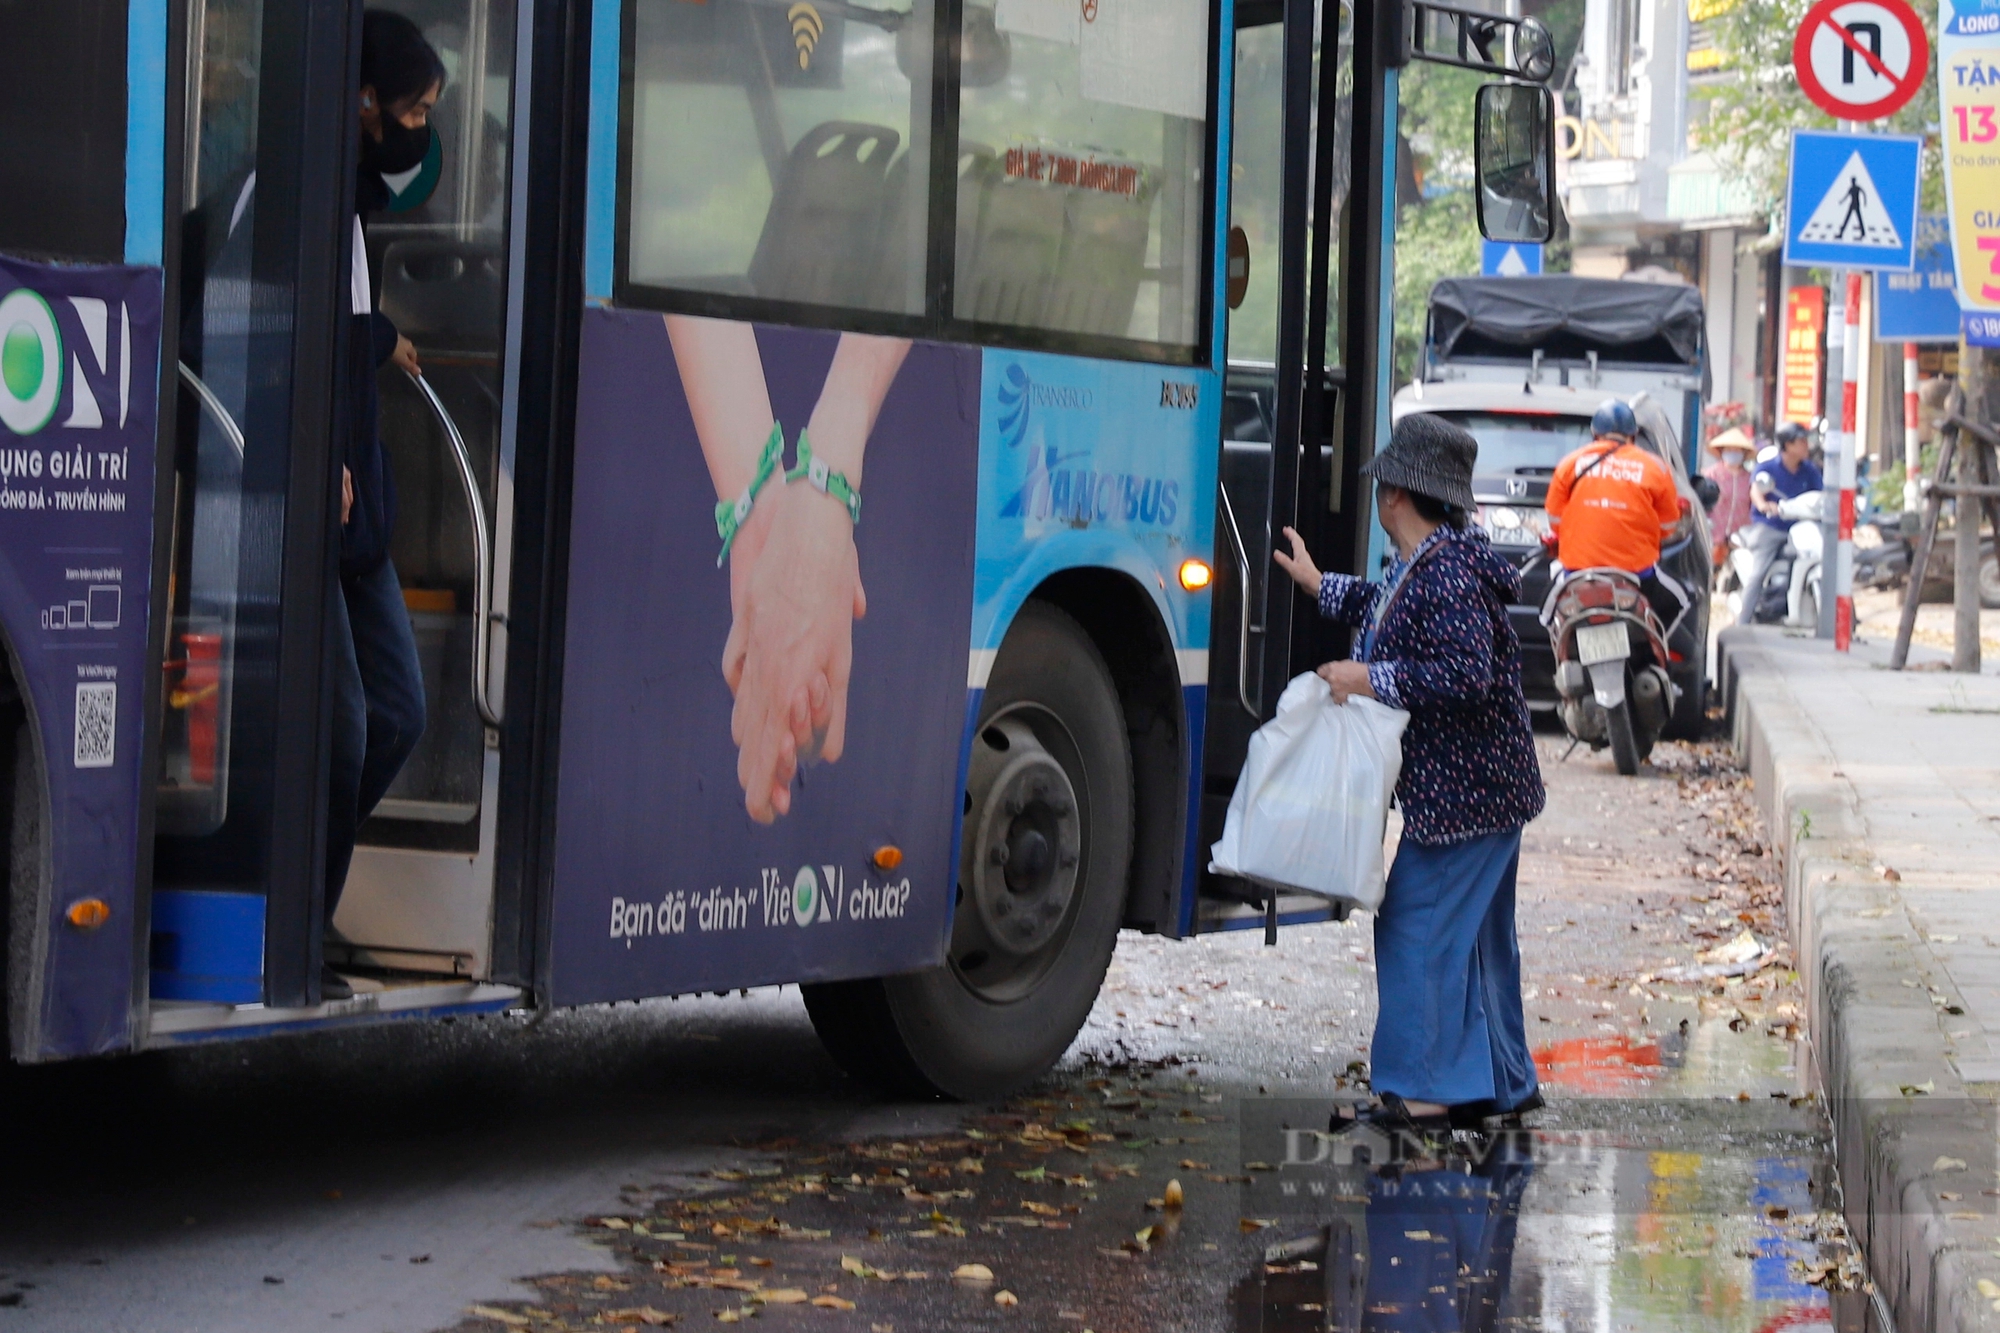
[(1883, 793)]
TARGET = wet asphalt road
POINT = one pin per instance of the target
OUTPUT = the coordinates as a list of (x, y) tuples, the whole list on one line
[(700, 1160)]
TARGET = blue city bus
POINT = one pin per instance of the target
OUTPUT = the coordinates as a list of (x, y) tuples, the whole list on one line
[(835, 505)]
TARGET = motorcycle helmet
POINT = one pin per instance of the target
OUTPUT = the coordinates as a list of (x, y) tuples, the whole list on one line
[(1614, 418), (1788, 432)]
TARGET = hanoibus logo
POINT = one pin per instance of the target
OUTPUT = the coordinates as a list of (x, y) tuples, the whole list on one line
[(32, 364)]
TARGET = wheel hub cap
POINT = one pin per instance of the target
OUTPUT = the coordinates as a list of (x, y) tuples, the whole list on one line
[(1024, 833)]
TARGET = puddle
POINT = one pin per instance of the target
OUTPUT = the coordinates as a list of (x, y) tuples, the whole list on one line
[(1675, 1182), (1632, 1215)]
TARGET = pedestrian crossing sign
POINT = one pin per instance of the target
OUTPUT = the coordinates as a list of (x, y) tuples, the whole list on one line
[(1851, 201)]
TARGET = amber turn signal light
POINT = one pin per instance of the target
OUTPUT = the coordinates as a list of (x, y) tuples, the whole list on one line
[(1196, 575), (88, 913), (887, 858)]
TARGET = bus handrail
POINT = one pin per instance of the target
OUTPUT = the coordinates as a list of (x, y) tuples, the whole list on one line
[(213, 405), (1244, 628), (483, 566)]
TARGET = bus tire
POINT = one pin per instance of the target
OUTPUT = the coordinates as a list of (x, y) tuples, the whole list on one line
[(1045, 854)]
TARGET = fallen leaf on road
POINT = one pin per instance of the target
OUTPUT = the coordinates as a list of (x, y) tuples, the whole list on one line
[(1873, 914), (972, 1273), (1038, 1173), (728, 1317), (783, 1296), (640, 1314), (832, 1303), (1989, 1288), (1249, 1224), (497, 1315), (1922, 1089), (1041, 1209), (1006, 1300), (1173, 1197), (1948, 1164), (1189, 1164)]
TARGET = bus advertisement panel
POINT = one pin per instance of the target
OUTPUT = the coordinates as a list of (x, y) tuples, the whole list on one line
[(78, 351), (689, 856)]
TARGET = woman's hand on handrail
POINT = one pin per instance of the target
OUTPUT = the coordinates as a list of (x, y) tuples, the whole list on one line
[(1299, 564)]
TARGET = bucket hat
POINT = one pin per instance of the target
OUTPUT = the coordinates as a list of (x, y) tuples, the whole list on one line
[(1428, 455)]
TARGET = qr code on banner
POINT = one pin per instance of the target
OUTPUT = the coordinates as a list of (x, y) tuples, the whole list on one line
[(96, 723)]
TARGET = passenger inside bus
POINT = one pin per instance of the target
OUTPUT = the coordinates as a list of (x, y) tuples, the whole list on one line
[(378, 684)]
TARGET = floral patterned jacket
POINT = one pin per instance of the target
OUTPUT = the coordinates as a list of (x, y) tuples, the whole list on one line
[(1445, 652)]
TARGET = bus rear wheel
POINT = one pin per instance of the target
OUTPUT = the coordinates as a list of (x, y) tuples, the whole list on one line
[(1044, 852)]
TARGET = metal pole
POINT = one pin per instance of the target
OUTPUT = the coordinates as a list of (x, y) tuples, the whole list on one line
[(1913, 457), (1831, 444), (1843, 550)]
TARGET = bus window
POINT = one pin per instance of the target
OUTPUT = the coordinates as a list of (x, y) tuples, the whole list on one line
[(1257, 175), (1082, 203), (780, 152), (209, 570), (62, 176)]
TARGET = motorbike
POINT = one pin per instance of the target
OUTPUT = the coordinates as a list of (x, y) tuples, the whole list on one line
[(1791, 591), (1611, 664)]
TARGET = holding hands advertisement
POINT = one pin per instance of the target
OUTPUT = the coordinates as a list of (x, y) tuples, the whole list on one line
[(777, 525)]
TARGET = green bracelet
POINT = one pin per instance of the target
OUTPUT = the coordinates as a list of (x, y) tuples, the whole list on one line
[(731, 515), (823, 479)]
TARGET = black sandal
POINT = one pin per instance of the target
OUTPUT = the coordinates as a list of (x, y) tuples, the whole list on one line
[(1395, 1113), (1474, 1115), (1356, 1113)]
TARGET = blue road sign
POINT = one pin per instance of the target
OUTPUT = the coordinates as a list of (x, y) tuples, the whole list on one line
[(1509, 259), (1851, 200), (1980, 329), (1921, 305)]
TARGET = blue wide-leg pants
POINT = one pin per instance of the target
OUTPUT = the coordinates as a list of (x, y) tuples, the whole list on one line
[(1448, 1025)]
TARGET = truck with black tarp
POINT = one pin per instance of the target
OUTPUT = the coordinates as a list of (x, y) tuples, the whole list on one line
[(1522, 363)]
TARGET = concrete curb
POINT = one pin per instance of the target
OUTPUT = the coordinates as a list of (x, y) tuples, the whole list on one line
[(1872, 1035)]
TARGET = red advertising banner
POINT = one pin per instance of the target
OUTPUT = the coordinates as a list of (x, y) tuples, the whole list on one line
[(1805, 366)]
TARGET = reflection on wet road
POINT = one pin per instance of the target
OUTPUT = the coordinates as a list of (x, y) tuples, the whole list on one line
[(699, 1162), (1680, 1178)]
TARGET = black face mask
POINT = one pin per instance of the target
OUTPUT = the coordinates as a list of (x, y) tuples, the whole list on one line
[(400, 149)]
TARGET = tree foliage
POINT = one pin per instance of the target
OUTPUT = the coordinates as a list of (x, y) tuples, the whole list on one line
[(1437, 237), (1753, 109)]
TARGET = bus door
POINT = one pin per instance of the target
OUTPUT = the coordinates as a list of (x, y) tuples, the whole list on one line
[(1290, 443), (419, 900), (256, 302), (242, 777)]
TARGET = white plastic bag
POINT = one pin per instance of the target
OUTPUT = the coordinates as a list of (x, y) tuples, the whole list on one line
[(1312, 806)]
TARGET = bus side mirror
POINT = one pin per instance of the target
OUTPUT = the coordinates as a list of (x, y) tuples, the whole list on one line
[(1705, 490), (1514, 157)]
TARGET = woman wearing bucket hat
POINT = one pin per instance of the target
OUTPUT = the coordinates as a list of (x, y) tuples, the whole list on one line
[(1450, 1045)]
